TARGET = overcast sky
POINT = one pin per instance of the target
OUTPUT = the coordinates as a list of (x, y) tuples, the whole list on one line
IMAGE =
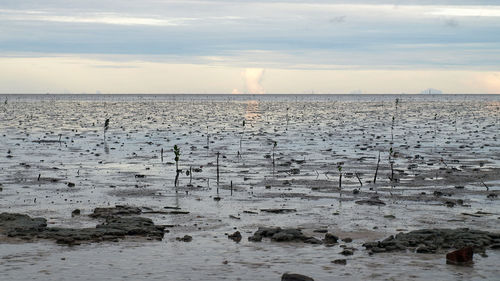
[(161, 46)]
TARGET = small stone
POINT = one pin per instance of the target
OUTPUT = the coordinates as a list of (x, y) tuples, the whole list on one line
[(340, 261), (347, 240), (295, 277), (75, 212), (330, 239), (347, 252), (236, 237), (186, 238)]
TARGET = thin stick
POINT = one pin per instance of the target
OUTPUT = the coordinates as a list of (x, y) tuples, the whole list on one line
[(376, 170), (487, 188), (231, 188), (218, 153), (360, 183)]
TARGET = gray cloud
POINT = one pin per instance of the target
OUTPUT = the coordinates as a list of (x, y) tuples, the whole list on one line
[(260, 33)]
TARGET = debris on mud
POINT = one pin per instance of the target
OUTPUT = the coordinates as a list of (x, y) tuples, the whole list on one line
[(433, 240), (460, 257)]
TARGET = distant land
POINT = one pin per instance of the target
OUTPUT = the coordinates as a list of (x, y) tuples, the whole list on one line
[(431, 91)]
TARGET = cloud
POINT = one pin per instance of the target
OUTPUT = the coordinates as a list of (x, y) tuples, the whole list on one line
[(451, 23), (337, 19), (253, 79)]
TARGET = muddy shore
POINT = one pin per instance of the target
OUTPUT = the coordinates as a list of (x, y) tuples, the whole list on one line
[(440, 194)]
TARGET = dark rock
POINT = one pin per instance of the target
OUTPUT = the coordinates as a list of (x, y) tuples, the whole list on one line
[(235, 236), (255, 238), (434, 240), (118, 210), (75, 212), (374, 201), (278, 211), (185, 238), (13, 222), (347, 240), (70, 184), (460, 257), (330, 239), (295, 277), (347, 252), (278, 234), (22, 226), (340, 261)]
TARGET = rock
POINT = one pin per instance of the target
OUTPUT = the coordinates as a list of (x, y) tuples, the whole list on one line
[(347, 252), (330, 239), (295, 277), (255, 238), (460, 257), (75, 212), (434, 240), (347, 240), (118, 210), (235, 236), (288, 235), (185, 238), (374, 201), (340, 261), (278, 234), (278, 211), (22, 226)]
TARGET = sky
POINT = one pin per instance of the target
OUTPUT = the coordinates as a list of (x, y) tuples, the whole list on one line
[(245, 46)]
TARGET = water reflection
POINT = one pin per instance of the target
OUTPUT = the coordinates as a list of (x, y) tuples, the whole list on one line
[(252, 112)]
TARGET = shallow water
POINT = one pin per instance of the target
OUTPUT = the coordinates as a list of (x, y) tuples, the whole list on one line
[(61, 139)]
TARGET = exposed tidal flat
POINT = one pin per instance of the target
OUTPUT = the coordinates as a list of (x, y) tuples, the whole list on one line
[(267, 184)]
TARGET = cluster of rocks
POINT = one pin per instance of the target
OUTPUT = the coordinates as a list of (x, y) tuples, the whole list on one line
[(113, 228), (278, 234), (433, 240)]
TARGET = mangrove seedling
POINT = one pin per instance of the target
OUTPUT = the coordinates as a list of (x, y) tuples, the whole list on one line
[(218, 154), (241, 138), (391, 162), (274, 148), (339, 167), (177, 153), (106, 126)]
